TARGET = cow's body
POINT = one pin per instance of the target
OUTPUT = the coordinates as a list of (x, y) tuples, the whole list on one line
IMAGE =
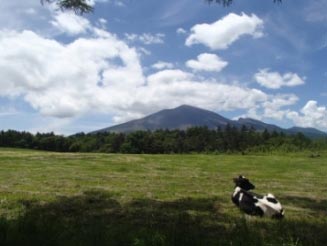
[(254, 204)]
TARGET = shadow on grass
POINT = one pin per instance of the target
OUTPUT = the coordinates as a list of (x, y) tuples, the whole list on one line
[(95, 218), (316, 206)]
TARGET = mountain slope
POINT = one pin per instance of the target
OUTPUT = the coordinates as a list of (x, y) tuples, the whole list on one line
[(181, 117), (258, 125), (307, 131), (185, 116)]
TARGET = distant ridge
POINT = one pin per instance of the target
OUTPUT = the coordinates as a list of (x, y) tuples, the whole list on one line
[(258, 125), (186, 116), (307, 131), (182, 117)]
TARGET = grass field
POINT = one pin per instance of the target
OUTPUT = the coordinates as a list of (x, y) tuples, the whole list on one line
[(102, 199)]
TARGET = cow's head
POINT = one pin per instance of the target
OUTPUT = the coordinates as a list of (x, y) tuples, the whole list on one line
[(279, 215), (243, 183)]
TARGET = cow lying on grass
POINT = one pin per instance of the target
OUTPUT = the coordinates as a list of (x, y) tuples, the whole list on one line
[(254, 204)]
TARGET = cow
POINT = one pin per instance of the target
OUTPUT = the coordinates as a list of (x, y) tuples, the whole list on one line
[(254, 204)]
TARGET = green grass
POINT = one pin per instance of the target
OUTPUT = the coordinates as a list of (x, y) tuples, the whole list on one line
[(102, 199)]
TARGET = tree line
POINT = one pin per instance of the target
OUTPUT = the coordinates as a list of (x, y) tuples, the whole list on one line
[(192, 140)]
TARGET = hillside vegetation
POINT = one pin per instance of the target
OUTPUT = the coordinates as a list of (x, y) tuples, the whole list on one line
[(192, 140), (51, 198)]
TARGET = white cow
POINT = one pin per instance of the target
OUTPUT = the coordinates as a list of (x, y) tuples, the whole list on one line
[(255, 204)]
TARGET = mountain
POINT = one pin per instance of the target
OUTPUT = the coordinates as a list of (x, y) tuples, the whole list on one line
[(186, 116), (181, 117), (258, 125), (307, 131), (261, 126)]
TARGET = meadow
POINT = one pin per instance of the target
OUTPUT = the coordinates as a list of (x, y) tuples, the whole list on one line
[(51, 198)]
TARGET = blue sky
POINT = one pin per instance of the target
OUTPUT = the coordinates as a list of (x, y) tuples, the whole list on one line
[(66, 73)]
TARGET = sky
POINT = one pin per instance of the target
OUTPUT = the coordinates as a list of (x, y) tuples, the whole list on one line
[(68, 73)]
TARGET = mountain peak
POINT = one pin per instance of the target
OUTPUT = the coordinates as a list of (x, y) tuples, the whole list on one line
[(186, 116), (184, 106), (181, 117), (247, 119), (188, 107)]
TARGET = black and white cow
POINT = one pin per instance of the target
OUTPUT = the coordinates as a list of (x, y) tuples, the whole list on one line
[(254, 204)]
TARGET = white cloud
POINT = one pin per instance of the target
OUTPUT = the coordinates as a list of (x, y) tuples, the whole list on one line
[(120, 3), (274, 107), (253, 114), (18, 15), (207, 62), (93, 2), (70, 23), (65, 80), (103, 21), (222, 33), (103, 75), (162, 65), (146, 38), (275, 80), (170, 88), (181, 31), (50, 124), (311, 115), (143, 51), (169, 76), (131, 36)]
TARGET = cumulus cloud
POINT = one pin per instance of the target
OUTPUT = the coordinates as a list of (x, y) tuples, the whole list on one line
[(182, 88), (274, 108), (311, 115), (173, 87), (70, 23), (102, 23), (18, 15), (275, 80), (119, 3), (65, 80), (169, 76), (222, 33), (162, 65), (207, 62), (146, 38), (181, 31), (103, 74), (143, 51)]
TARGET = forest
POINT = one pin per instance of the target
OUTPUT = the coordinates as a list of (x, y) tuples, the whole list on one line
[(192, 140)]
